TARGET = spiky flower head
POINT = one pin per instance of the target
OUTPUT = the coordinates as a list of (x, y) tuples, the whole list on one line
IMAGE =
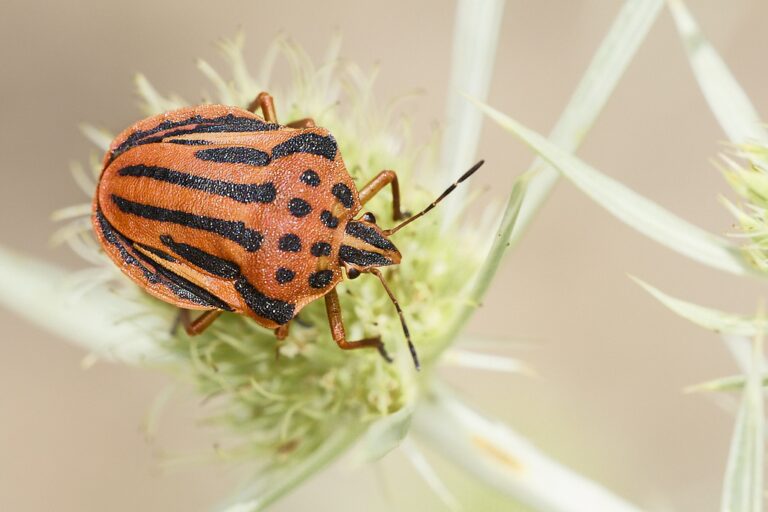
[(748, 175), (282, 402)]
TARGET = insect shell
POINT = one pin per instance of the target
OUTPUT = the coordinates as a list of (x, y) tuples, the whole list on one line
[(218, 209)]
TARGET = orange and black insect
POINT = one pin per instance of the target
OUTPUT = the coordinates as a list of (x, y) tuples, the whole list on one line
[(215, 208)]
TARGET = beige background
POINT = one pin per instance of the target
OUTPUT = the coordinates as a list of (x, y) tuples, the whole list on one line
[(613, 362)]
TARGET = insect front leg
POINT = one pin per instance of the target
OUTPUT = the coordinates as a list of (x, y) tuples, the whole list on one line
[(196, 326), (373, 187), (264, 102), (333, 308)]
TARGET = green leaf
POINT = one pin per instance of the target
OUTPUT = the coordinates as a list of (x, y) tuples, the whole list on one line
[(630, 207), (611, 59), (495, 254), (112, 326), (386, 434), (711, 319), (730, 383), (475, 38), (743, 485), (727, 100), (497, 455), (278, 482)]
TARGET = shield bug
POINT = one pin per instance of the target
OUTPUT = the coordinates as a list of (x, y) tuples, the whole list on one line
[(216, 208)]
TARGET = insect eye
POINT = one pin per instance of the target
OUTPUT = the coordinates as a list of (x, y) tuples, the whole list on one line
[(369, 217), (353, 273)]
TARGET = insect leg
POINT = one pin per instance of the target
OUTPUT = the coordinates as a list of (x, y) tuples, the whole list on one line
[(199, 324), (333, 308), (267, 104), (282, 332), (373, 187), (307, 122)]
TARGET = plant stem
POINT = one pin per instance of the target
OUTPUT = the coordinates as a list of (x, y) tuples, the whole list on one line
[(502, 458)]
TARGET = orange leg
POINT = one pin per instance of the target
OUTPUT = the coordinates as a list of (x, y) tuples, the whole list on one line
[(282, 332), (373, 187), (307, 122), (333, 308), (264, 102), (199, 324)]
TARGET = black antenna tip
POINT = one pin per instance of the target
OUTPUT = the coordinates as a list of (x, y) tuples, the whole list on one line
[(471, 171), (384, 353), (414, 356)]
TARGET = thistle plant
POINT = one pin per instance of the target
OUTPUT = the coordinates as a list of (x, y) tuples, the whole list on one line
[(284, 403), (743, 488), (748, 177), (290, 410)]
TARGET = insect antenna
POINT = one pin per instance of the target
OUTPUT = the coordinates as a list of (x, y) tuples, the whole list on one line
[(447, 191), (407, 333)]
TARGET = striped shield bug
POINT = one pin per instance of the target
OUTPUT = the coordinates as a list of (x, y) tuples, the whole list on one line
[(216, 208)]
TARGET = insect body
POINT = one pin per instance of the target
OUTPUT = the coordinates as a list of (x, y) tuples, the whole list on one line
[(215, 208)]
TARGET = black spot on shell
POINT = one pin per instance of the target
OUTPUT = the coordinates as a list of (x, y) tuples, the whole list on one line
[(310, 177), (284, 275), (343, 194), (329, 219), (290, 243), (320, 249), (321, 278), (299, 207)]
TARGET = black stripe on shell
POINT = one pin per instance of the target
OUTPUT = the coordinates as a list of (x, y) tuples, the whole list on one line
[(193, 124), (160, 254), (240, 192), (234, 155), (369, 235), (276, 310), (202, 259), (248, 238), (156, 274), (362, 258)]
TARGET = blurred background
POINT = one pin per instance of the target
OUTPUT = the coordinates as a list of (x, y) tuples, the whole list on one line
[(612, 361)]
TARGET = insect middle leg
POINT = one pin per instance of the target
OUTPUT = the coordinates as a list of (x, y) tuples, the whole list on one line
[(198, 325), (333, 308), (373, 187)]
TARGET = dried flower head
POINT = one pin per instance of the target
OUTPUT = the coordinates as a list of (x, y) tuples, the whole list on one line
[(748, 175)]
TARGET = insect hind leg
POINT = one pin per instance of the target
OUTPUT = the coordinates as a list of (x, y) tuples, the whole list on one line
[(196, 326)]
